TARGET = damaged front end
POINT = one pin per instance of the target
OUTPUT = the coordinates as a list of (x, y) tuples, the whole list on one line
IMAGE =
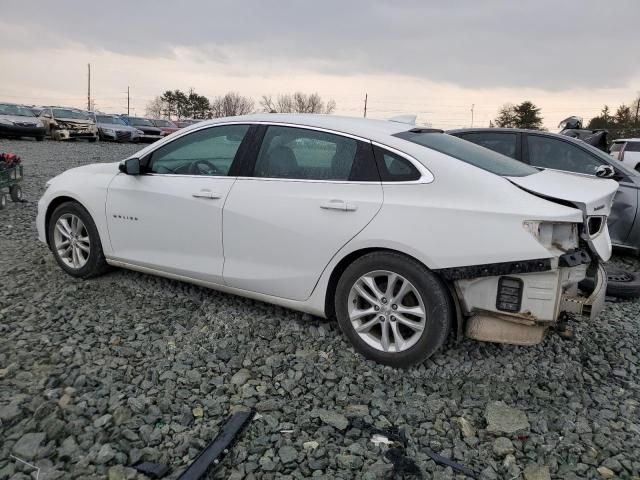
[(68, 130), (516, 302)]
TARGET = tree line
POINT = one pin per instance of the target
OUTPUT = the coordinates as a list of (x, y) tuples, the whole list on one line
[(625, 122), (176, 104)]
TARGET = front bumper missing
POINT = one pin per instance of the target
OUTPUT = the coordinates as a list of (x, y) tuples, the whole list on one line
[(591, 306)]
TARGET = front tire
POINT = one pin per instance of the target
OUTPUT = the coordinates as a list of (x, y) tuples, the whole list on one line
[(75, 242), (393, 309)]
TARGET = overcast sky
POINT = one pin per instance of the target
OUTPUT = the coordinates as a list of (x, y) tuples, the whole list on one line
[(435, 59)]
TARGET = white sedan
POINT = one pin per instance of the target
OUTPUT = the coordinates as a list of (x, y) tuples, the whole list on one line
[(405, 235)]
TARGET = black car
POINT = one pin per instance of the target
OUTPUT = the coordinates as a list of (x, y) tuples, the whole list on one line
[(17, 121), (560, 152), (151, 132)]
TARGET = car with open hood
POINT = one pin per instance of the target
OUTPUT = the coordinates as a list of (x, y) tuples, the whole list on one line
[(62, 123), (114, 128), (404, 235), (18, 121), (150, 133)]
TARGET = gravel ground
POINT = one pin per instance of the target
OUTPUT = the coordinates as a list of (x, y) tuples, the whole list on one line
[(96, 375)]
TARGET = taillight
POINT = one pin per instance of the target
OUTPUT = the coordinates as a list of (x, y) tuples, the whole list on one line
[(621, 152)]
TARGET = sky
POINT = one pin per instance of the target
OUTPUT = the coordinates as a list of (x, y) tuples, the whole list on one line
[(436, 59)]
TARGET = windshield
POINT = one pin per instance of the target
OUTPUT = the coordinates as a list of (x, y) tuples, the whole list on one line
[(470, 153), (616, 146), (140, 122), (110, 120), (164, 123), (72, 114), (17, 110)]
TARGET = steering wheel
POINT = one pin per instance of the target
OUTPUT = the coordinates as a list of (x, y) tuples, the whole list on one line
[(196, 168)]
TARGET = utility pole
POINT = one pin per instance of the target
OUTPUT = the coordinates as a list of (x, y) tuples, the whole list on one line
[(637, 109), (365, 104), (127, 101), (472, 105), (89, 87)]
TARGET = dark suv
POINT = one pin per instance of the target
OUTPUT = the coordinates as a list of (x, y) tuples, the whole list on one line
[(559, 152)]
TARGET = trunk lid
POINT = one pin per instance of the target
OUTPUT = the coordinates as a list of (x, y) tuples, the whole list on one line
[(592, 195)]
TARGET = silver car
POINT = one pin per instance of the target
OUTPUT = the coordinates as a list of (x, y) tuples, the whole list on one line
[(114, 128)]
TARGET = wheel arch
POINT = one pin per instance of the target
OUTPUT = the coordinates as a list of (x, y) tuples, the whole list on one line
[(53, 204), (341, 266)]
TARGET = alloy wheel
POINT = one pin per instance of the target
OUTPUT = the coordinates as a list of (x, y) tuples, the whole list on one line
[(386, 311), (71, 241)]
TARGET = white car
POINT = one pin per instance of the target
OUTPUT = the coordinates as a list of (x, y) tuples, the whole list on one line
[(403, 234), (627, 150)]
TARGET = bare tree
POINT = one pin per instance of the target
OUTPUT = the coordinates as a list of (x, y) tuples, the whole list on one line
[(297, 103), (231, 104), (155, 108)]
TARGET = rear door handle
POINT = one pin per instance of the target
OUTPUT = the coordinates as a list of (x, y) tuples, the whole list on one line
[(337, 204), (204, 193)]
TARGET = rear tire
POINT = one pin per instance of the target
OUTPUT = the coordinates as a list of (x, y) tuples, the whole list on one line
[(410, 310), (39, 139), (75, 242)]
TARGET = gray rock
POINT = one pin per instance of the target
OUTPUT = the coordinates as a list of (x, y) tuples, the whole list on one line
[(28, 446), (335, 419), (504, 419), (105, 454), (120, 472), (241, 377), (10, 412), (466, 428), (503, 446), (349, 462), (103, 421), (536, 472), (288, 454)]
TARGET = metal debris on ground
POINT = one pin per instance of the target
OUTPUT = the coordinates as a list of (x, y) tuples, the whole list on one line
[(212, 456)]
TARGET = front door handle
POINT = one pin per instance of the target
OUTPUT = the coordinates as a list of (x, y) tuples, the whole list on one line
[(337, 204), (205, 193)]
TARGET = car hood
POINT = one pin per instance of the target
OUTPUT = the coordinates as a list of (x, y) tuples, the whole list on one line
[(117, 127), (592, 195), (75, 120), (21, 119)]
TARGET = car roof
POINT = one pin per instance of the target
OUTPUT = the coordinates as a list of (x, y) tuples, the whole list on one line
[(515, 130), (362, 127)]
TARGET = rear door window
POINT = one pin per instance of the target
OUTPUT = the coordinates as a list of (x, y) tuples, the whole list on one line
[(304, 154), (546, 152)]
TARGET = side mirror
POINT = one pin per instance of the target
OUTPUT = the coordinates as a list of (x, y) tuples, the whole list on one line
[(130, 166), (605, 171)]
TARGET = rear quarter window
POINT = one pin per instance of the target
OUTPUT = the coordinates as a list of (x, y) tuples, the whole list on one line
[(393, 167)]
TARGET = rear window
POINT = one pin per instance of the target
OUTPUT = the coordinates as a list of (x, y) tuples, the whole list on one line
[(470, 153)]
